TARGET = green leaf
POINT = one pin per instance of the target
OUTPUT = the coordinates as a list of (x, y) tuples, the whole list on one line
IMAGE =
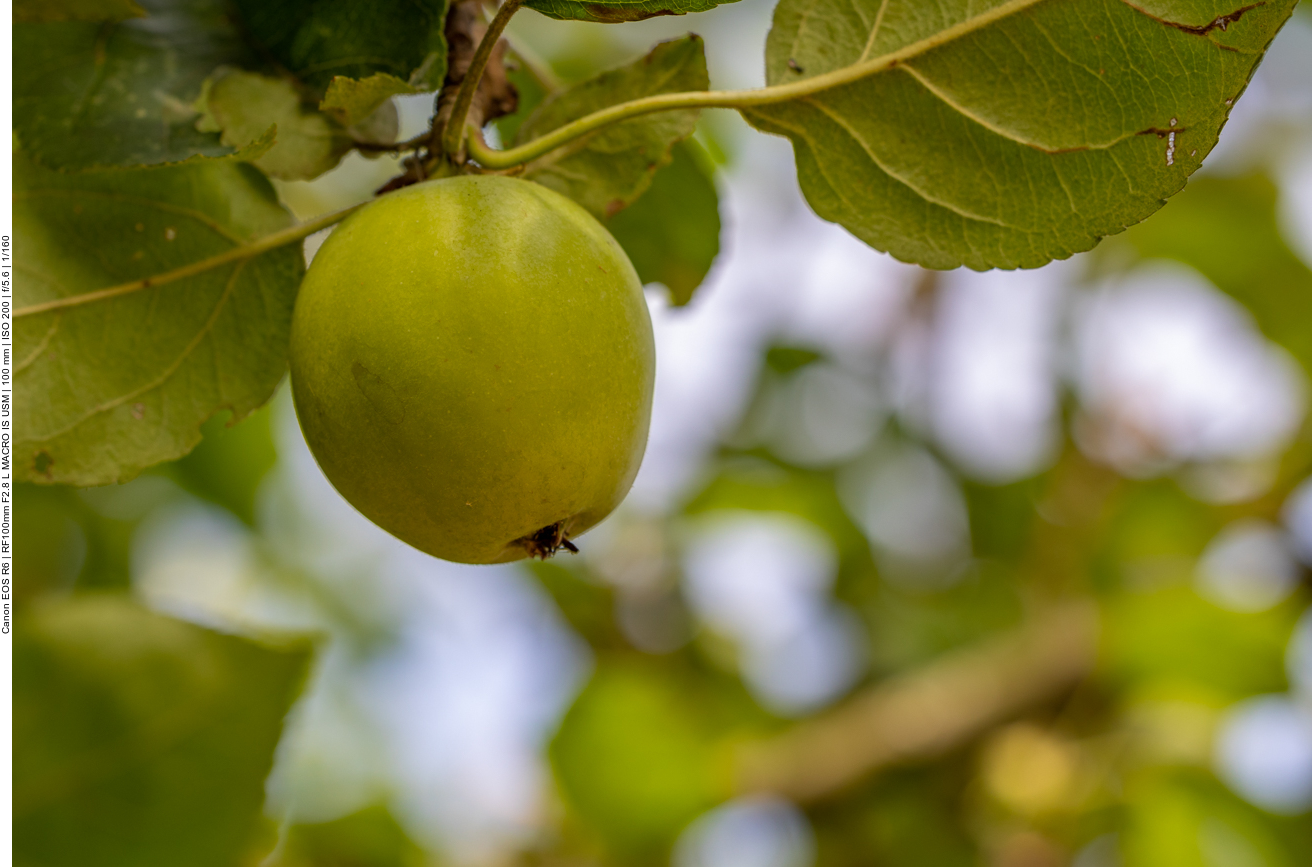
[(1173, 637), (369, 838), (230, 462), (1006, 133), (608, 169), (620, 11), (114, 385), (316, 40), (634, 757), (1181, 818), (1227, 230), (118, 94), (45, 11), (242, 106), (672, 233), (351, 102), (145, 740)]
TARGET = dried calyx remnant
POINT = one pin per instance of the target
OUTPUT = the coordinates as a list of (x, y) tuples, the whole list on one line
[(547, 541)]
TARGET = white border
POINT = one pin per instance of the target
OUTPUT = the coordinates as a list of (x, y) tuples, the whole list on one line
[(6, 443)]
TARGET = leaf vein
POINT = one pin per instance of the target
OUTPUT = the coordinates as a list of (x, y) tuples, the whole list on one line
[(191, 213), (903, 181), (169, 371)]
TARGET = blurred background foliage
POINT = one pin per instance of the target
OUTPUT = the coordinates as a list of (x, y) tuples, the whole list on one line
[(860, 475)]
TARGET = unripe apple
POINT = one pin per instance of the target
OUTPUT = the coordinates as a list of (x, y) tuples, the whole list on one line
[(472, 365)]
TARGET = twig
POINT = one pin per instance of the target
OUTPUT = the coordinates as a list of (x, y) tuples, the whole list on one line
[(927, 712)]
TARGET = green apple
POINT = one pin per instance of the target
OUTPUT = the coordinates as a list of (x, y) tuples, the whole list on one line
[(472, 365)]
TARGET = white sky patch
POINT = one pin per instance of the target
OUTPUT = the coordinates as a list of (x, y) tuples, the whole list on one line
[(1170, 370), (1248, 567), (1298, 659), (763, 579), (993, 400), (912, 510), (748, 832), (1264, 752)]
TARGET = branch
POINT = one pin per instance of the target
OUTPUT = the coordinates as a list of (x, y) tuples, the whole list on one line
[(739, 99), (236, 254), (471, 77), (927, 712)]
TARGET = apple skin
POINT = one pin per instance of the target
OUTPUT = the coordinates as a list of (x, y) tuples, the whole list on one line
[(472, 363)]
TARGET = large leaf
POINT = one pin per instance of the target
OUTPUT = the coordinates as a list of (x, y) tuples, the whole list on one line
[(609, 168), (1227, 229), (114, 385), (318, 39), (620, 11), (672, 233), (144, 740), (90, 94), (1006, 133)]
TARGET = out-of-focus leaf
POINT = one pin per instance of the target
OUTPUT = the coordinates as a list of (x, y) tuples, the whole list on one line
[(588, 607), (759, 486), (635, 757), (906, 817), (672, 233), (352, 102), (369, 838), (46, 11), (117, 94), (81, 538), (1006, 134), (1154, 536), (620, 11), (608, 169), (242, 106), (54, 546), (789, 359), (1172, 636), (112, 386), (910, 627), (1227, 230), (230, 462), (316, 40), (145, 740), (1183, 819), (1001, 517), (531, 93)]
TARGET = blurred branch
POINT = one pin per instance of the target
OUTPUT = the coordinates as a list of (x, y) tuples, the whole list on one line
[(927, 712)]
